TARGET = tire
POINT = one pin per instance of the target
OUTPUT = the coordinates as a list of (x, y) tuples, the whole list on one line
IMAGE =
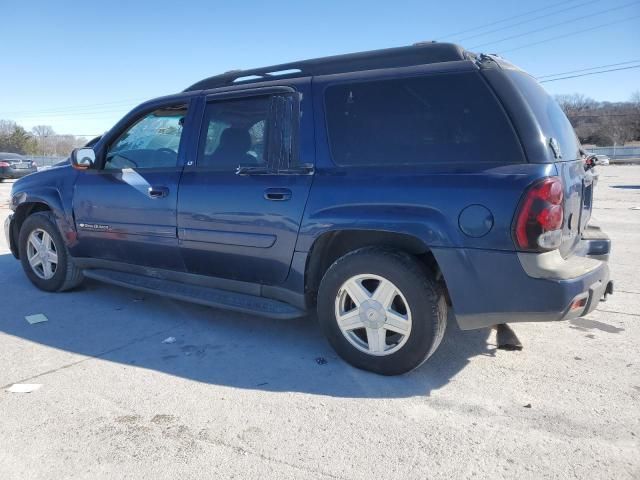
[(417, 311), (65, 275)]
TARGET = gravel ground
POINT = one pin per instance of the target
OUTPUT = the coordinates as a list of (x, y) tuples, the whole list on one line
[(243, 397)]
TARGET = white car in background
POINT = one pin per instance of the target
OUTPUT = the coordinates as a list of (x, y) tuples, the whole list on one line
[(602, 160)]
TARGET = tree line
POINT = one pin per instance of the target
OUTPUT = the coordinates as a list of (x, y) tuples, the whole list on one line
[(603, 123), (40, 140)]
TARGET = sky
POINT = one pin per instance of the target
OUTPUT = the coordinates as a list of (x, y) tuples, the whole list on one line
[(79, 66)]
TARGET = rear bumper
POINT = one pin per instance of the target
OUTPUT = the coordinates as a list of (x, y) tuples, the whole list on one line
[(492, 287)]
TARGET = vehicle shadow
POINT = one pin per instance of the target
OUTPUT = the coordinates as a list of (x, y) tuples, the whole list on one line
[(211, 346)]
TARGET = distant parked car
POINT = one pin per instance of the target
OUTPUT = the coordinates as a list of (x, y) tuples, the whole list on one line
[(602, 160), (13, 165)]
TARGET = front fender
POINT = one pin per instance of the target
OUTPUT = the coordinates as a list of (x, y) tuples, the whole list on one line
[(52, 189)]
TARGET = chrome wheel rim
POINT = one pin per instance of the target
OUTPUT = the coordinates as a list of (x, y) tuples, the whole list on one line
[(373, 314), (42, 254)]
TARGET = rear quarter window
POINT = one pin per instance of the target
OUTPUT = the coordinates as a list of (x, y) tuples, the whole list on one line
[(452, 118), (552, 120)]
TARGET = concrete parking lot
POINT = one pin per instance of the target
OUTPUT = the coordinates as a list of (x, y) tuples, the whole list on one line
[(243, 397)]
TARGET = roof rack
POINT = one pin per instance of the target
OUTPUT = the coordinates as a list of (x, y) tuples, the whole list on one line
[(416, 54)]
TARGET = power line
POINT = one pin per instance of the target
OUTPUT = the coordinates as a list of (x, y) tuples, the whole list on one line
[(73, 114), (582, 31), (77, 107), (505, 19), (527, 21), (592, 73), (69, 135), (556, 24), (586, 69)]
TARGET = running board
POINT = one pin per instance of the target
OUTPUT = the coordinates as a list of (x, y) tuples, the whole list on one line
[(212, 297)]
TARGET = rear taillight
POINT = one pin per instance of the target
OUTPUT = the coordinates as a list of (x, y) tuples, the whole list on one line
[(538, 222), (4, 164)]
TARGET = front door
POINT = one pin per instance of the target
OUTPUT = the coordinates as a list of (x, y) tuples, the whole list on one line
[(240, 205), (125, 211)]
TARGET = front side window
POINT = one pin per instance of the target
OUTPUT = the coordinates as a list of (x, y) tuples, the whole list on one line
[(151, 142), (255, 131), (418, 120)]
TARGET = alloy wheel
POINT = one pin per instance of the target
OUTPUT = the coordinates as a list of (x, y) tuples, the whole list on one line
[(373, 314), (42, 254)]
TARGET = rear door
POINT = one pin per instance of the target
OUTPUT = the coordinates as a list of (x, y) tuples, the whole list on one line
[(241, 203), (564, 149), (126, 210)]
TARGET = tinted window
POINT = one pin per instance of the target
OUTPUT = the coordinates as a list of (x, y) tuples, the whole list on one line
[(257, 131), (151, 142), (419, 120), (10, 156), (553, 121), (234, 133)]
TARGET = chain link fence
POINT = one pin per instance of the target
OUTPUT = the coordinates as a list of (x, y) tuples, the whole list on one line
[(41, 161)]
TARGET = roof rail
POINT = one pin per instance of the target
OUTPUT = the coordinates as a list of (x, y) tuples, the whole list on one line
[(416, 54)]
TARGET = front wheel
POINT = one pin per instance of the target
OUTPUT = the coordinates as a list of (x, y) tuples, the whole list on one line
[(381, 310), (44, 256)]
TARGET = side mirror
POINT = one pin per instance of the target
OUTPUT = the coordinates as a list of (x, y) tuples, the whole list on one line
[(83, 158)]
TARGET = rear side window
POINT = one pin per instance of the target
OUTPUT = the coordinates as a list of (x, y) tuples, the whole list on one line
[(553, 121), (419, 120), (256, 131)]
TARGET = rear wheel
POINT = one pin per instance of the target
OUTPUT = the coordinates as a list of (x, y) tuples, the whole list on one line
[(44, 256), (381, 310)]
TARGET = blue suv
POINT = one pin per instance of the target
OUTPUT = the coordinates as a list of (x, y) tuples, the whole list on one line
[(378, 189)]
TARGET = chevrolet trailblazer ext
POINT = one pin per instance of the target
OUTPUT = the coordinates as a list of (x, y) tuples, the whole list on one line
[(377, 188)]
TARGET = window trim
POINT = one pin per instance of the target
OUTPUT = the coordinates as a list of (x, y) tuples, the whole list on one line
[(364, 79), (244, 93)]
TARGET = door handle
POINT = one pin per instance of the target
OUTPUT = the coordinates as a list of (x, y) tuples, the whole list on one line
[(158, 192), (277, 194)]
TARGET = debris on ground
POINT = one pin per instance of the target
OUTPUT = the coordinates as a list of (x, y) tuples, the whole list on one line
[(321, 361), (37, 318), (528, 405), (23, 387), (169, 340)]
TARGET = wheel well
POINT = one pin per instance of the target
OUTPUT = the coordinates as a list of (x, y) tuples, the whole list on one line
[(332, 245), (21, 214)]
